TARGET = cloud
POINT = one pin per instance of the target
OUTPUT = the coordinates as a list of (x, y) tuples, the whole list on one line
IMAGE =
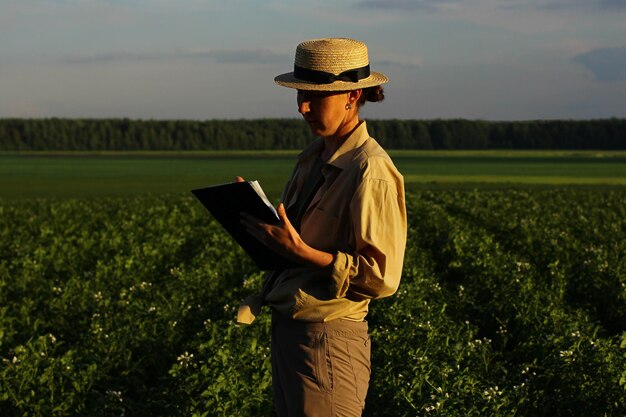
[(540, 16), (257, 56), (619, 4), (510, 5), (404, 5), (64, 14), (606, 64), (609, 5), (565, 5), (515, 16)]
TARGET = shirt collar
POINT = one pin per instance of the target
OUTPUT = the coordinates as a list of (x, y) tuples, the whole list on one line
[(342, 156)]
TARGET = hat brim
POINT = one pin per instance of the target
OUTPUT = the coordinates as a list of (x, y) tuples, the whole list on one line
[(288, 80)]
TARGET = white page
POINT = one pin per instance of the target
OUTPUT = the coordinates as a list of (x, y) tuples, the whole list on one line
[(257, 187)]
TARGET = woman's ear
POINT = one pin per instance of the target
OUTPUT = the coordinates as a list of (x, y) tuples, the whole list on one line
[(354, 95)]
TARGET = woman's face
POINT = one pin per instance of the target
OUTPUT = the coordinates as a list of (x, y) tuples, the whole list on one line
[(324, 111)]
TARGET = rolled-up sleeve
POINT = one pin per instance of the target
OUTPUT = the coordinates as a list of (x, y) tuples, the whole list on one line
[(373, 269)]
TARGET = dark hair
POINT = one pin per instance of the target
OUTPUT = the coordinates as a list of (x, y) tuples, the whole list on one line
[(373, 94)]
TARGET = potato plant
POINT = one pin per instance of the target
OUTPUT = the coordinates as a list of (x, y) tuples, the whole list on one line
[(512, 302)]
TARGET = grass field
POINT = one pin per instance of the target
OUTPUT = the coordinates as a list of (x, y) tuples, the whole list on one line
[(80, 174)]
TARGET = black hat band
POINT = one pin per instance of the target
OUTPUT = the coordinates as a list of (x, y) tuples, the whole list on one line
[(323, 77)]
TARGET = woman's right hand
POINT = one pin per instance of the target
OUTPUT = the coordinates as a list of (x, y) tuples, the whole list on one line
[(239, 179)]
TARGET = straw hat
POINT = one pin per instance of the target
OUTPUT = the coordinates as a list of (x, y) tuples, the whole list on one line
[(333, 64)]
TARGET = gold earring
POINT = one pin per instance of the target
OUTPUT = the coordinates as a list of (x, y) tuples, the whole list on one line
[(348, 106)]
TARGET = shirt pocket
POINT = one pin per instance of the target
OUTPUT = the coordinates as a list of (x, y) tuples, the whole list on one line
[(322, 230)]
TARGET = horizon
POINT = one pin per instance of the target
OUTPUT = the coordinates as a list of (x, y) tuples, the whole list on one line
[(298, 118)]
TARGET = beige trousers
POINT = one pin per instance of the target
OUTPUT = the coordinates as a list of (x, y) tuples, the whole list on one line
[(319, 369)]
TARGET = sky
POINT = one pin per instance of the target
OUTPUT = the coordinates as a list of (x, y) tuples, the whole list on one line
[(205, 59)]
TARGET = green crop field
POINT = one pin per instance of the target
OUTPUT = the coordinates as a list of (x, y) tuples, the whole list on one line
[(118, 291), (58, 174)]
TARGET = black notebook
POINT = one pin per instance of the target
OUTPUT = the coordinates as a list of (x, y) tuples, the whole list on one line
[(227, 201)]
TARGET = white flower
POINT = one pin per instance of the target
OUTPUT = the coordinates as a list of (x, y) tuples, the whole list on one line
[(115, 394), (491, 393), (184, 359), (568, 356)]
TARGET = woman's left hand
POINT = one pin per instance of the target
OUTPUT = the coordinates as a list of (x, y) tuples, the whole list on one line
[(284, 239), (281, 238)]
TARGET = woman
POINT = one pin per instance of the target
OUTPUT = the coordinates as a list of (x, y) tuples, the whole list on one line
[(343, 223)]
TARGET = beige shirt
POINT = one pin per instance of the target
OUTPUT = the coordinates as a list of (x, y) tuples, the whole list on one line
[(359, 215)]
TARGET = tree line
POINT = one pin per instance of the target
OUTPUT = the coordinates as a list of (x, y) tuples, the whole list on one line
[(268, 134)]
